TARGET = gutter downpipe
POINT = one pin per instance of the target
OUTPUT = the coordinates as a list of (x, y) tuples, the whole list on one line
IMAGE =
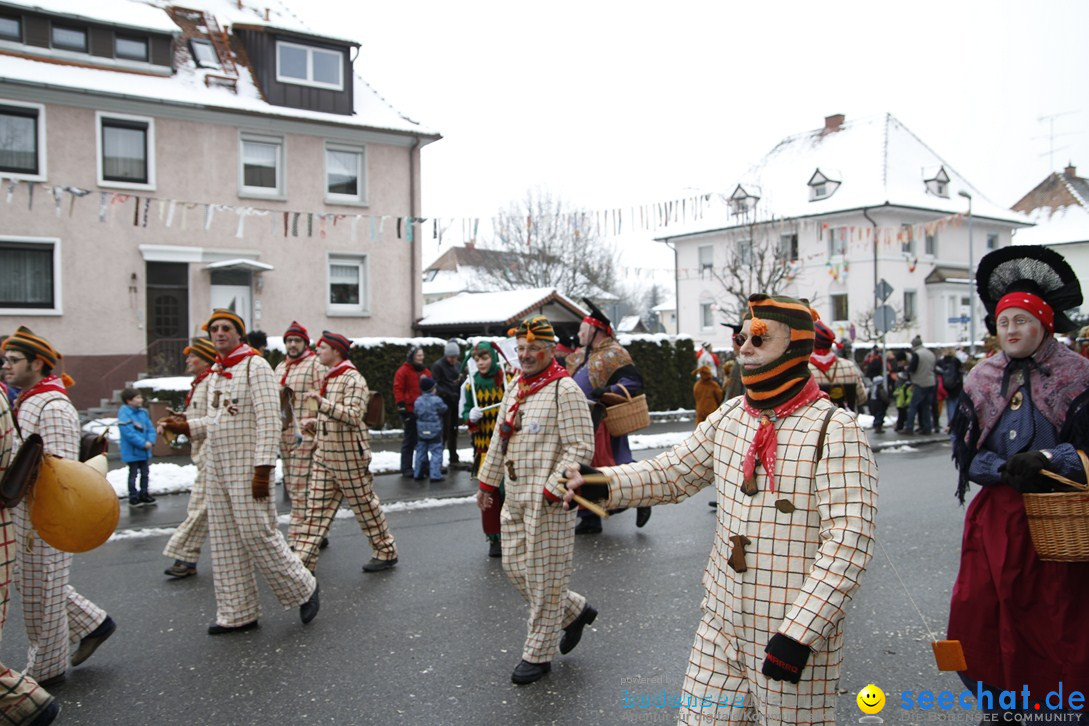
[(415, 291)]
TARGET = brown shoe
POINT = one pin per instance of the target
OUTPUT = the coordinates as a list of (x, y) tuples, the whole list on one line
[(377, 565), (180, 569)]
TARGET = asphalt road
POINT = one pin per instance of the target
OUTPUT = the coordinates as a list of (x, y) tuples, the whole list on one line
[(434, 640)]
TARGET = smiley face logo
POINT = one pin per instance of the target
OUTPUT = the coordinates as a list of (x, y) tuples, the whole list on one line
[(871, 699)]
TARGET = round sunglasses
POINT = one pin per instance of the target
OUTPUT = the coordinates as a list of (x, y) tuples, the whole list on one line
[(757, 340)]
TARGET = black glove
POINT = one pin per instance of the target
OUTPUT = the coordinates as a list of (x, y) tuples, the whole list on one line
[(786, 659), (593, 492), (403, 411), (1022, 472), (598, 392)]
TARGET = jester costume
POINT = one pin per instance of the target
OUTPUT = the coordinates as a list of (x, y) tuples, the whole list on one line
[(485, 391)]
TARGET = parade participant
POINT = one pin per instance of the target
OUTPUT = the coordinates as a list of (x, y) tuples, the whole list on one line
[(22, 700), (839, 377), (1025, 409), (55, 614), (544, 430), (446, 372), (483, 392), (796, 484), (707, 393), (406, 389), (298, 372), (184, 545), (342, 458), (600, 366), (240, 429)]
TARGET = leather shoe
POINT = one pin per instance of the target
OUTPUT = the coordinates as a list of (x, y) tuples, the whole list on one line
[(588, 525), (217, 629), (92, 640), (527, 672), (495, 549), (180, 569), (642, 516), (309, 609), (572, 634), (377, 565)]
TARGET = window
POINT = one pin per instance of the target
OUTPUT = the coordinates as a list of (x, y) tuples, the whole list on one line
[(203, 53), (69, 38), (344, 180), (309, 66), (837, 241), (744, 252), (820, 191), (822, 185), (11, 28), (840, 308), (707, 258), (130, 48), (909, 306), (261, 167), (29, 275), (125, 146), (992, 241), (22, 140), (907, 239), (348, 285), (788, 247), (707, 316), (932, 244)]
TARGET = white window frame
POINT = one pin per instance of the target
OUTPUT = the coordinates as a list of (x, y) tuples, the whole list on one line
[(194, 43), (347, 310), (360, 198), (911, 312), (41, 175), (993, 237), (930, 244), (838, 248), (832, 297), (705, 265), (309, 80), (707, 312), (280, 192), (150, 144), (58, 286)]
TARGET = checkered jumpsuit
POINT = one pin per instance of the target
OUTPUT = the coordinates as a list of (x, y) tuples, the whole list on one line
[(842, 374), (188, 538), (538, 536), (341, 471), (21, 698), (297, 453), (56, 616), (241, 430), (810, 541)]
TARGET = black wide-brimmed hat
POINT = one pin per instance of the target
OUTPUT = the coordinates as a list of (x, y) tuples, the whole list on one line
[(1033, 269), (597, 318)]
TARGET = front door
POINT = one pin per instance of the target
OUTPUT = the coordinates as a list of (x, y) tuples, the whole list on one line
[(232, 290), (167, 317)]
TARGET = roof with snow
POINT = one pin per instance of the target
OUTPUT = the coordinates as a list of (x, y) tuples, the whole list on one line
[(187, 86), (495, 308), (1059, 205), (868, 163), (631, 324)]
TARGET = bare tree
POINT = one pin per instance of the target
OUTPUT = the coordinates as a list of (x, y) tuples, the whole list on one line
[(867, 330), (759, 263), (542, 242)]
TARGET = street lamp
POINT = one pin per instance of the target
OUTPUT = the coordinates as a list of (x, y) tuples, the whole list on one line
[(971, 280)]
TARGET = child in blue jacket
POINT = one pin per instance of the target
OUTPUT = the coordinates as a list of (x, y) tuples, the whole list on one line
[(429, 409), (137, 438)]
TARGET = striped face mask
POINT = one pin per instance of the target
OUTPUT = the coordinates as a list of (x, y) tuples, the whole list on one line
[(773, 384)]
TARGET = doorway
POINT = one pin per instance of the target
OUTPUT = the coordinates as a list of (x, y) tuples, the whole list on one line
[(167, 317)]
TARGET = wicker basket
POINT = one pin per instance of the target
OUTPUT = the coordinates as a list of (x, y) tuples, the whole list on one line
[(1059, 522), (630, 414)]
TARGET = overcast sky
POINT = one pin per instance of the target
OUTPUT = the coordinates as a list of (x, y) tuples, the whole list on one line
[(613, 104)]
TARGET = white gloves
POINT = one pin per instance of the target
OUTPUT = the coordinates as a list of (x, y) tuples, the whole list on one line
[(475, 414)]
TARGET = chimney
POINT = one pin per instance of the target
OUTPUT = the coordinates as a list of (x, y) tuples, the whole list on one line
[(1070, 172), (266, 15), (833, 123)]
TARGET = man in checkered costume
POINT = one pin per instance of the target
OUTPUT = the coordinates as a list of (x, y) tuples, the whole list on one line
[(300, 372), (839, 377), (342, 459), (22, 700), (57, 617), (793, 535), (544, 429), (184, 545), (241, 430)]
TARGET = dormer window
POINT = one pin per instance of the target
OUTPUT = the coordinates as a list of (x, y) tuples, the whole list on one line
[(306, 65), (130, 48), (742, 200), (69, 38), (822, 185), (937, 182), (203, 53), (11, 28)]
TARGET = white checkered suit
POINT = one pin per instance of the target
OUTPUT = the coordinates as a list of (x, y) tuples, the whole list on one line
[(188, 538), (298, 454)]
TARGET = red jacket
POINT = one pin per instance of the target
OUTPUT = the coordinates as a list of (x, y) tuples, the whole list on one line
[(406, 385)]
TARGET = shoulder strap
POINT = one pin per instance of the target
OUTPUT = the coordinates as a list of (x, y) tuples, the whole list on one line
[(823, 434)]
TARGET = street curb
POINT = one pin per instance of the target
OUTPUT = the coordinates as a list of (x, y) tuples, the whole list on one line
[(914, 441)]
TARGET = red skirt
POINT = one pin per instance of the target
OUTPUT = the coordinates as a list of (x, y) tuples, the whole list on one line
[(1021, 621)]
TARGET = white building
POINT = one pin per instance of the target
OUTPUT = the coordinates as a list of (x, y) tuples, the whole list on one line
[(834, 210)]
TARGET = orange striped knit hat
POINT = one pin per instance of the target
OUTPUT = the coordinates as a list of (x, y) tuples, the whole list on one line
[(228, 315), (775, 383), (34, 346)]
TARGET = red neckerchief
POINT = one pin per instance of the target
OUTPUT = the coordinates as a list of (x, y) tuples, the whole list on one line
[(196, 382), (766, 441), (527, 386), (294, 362), (47, 384), (342, 367), (823, 361), (236, 356)]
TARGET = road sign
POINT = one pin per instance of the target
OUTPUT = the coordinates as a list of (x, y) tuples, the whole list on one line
[(961, 319), (884, 317), (884, 289)]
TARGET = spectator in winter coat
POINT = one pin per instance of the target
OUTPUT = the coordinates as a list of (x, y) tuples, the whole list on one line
[(447, 374), (878, 402), (708, 394), (406, 389), (430, 411), (137, 438), (952, 377), (924, 388)]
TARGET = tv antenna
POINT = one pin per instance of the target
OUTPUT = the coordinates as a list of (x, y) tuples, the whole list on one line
[(1051, 135)]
